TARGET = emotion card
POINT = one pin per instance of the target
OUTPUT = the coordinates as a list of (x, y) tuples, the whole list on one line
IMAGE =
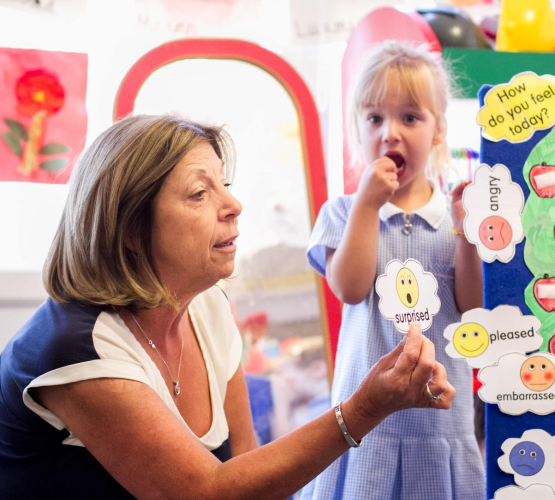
[(515, 110), (530, 458), (533, 492), (493, 204), (520, 383), (407, 293), (483, 336)]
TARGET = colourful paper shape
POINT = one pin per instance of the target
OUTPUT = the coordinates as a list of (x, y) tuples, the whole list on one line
[(483, 336), (407, 294), (493, 204), (538, 223), (514, 111), (533, 492), (43, 118), (531, 458), (520, 383)]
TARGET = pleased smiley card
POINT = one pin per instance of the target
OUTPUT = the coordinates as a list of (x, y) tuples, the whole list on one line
[(483, 336), (531, 458), (533, 492), (520, 383), (493, 204), (407, 293)]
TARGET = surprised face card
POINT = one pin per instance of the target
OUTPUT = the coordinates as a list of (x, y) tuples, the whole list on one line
[(407, 294), (493, 204), (483, 336)]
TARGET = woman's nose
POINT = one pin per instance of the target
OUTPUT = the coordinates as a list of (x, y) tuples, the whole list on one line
[(231, 207)]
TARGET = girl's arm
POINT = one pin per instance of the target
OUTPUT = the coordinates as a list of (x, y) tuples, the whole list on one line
[(133, 434), (351, 268), (468, 265)]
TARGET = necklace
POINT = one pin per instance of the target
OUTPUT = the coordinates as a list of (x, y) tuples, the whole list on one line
[(176, 388)]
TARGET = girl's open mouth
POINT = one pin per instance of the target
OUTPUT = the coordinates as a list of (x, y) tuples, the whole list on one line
[(399, 162)]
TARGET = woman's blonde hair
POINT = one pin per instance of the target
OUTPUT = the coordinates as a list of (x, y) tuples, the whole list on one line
[(415, 69), (110, 205)]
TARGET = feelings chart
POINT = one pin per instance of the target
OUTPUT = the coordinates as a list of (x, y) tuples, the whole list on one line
[(510, 218)]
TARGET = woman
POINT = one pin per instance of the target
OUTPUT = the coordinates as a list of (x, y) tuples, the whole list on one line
[(126, 379)]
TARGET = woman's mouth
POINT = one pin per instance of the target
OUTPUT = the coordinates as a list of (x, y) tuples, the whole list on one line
[(399, 162), (227, 245)]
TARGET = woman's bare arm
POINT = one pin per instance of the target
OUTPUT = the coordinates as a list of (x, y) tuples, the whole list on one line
[(132, 433), (238, 414)]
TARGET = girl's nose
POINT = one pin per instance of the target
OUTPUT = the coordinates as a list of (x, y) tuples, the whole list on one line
[(391, 131)]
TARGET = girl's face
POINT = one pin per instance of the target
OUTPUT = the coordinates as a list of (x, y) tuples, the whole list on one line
[(399, 129)]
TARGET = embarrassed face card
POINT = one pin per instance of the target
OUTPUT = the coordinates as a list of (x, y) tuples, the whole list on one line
[(533, 492), (493, 204), (520, 383), (407, 293), (483, 336), (531, 458)]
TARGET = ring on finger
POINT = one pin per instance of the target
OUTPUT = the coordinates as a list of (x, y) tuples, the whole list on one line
[(432, 397)]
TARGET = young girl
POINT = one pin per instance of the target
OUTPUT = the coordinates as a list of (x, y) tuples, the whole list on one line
[(398, 126)]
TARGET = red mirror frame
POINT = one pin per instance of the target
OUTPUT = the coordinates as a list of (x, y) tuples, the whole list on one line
[(311, 139)]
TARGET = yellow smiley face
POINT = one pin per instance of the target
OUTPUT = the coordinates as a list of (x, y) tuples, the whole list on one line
[(407, 287), (470, 340)]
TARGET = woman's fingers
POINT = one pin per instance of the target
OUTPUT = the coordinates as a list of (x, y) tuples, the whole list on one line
[(439, 386), (408, 359), (426, 363)]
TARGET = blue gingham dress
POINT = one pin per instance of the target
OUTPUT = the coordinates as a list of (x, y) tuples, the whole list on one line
[(420, 454)]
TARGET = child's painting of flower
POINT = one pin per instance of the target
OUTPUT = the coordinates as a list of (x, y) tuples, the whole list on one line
[(43, 119)]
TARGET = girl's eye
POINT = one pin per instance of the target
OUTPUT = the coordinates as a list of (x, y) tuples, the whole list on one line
[(411, 118), (375, 119)]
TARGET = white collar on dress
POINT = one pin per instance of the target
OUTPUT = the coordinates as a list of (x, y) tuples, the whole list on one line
[(432, 212)]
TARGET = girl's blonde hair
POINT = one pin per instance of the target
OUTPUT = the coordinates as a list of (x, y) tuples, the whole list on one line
[(110, 205), (415, 69)]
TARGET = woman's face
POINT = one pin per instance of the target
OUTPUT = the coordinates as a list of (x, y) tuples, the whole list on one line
[(195, 224)]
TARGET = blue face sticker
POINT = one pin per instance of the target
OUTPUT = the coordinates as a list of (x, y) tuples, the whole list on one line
[(527, 458)]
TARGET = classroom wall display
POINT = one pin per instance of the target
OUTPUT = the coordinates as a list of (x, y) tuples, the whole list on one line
[(519, 383), (531, 458), (493, 204), (538, 221), (408, 293), (533, 492), (43, 118), (514, 111), (483, 336)]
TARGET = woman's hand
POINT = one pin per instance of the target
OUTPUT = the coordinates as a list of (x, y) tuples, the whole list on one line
[(398, 380), (457, 209), (378, 183)]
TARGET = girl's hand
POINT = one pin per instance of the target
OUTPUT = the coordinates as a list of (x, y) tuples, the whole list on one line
[(457, 210), (378, 183), (398, 380)]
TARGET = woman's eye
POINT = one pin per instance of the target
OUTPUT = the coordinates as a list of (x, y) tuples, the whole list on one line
[(227, 185), (199, 195)]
